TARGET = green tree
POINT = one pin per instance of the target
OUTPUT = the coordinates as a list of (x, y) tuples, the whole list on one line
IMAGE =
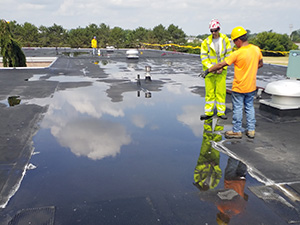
[(176, 34), (92, 30), (30, 35), (136, 37), (141, 34), (117, 37), (271, 41), (161, 35), (57, 35), (130, 41), (44, 39), (295, 36), (26, 34), (16, 29), (103, 35), (151, 37), (11, 51), (77, 38)]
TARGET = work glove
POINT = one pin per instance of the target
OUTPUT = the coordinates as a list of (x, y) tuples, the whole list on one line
[(203, 74)]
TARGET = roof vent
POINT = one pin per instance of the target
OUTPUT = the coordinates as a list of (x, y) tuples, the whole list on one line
[(285, 94), (132, 54)]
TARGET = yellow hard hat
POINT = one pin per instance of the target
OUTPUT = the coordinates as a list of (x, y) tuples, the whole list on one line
[(220, 222), (222, 219), (237, 32)]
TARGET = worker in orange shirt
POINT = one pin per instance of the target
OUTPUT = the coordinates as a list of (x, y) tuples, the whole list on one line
[(247, 59)]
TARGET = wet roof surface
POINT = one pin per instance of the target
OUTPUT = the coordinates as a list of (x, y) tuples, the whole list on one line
[(102, 147)]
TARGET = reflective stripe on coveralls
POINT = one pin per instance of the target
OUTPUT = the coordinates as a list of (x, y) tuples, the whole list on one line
[(215, 84)]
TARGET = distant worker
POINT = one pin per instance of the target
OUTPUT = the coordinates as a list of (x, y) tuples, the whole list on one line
[(94, 45), (215, 49), (247, 59)]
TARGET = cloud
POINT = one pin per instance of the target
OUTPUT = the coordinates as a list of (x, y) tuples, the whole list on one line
[(139, 121), (75, 119), (190, 112), (77, 8), (86, 101), (30, 6), (93, 138), (192, 16)]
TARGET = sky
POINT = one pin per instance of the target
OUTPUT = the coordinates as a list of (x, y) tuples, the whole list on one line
[(192, 16)]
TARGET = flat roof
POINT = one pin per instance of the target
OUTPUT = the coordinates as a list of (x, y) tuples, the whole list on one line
[(95, 130)]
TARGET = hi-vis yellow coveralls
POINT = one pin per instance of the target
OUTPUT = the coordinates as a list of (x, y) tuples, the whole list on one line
[(215, 84), (94, 43)]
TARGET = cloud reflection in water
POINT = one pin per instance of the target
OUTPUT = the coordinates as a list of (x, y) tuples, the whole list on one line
[(93, 138), (190, 112), (75, 118)]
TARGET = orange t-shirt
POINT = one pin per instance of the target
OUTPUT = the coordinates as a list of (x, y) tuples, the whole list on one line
[(245, 61), (237, 185)]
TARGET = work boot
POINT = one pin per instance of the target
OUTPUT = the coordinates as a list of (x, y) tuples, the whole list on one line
[(231, 134), (250, 134), (223, 117), (205, 117)]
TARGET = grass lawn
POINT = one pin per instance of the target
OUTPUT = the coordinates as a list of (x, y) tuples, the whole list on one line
[(276, 60)]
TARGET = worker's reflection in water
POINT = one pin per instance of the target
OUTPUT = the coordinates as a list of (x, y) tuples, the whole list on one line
[(207, 173), (231, 200), (232, 203)]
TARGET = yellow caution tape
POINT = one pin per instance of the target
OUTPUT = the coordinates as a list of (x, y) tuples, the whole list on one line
[(199, 47), (175, 45), (281, 52)]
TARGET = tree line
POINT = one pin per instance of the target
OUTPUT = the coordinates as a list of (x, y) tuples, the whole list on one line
[(28, 35)]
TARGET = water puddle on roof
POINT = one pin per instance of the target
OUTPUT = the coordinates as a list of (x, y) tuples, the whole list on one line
[(75, 53), (63, 78), (11, 101), (138, 160)]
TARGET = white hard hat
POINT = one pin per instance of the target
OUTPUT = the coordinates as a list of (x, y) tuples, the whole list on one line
[(214, 24)]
